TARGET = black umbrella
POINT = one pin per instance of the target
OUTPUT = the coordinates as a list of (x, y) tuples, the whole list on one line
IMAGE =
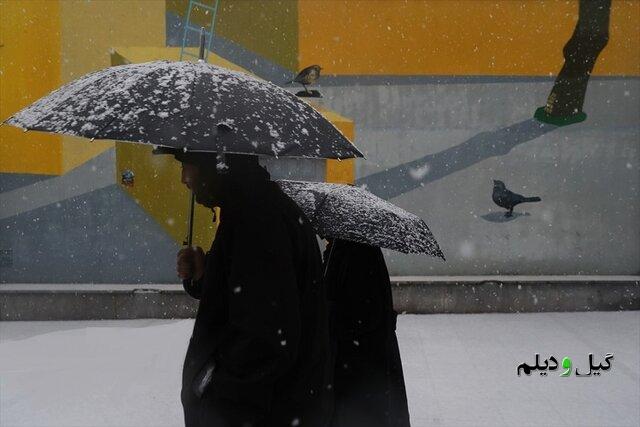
[(195, 107), (189, 106), (352, 213)]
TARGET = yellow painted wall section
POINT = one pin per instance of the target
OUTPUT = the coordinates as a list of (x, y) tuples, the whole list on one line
[(89, 30), (268, 28), (340, 171), (29, 69), (462, 37)]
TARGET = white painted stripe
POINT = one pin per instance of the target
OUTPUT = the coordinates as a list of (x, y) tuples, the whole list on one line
[(95, 174)]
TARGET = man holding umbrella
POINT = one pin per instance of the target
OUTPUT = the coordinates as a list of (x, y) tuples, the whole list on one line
[(258, 355), (259, 352)]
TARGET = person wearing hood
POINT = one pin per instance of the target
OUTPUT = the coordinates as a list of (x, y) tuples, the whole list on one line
[(259, 351)]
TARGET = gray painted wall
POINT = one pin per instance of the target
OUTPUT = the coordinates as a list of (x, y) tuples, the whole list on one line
[(433, 146), (99, 237), (435, 143), (434, 149), (80, 227)]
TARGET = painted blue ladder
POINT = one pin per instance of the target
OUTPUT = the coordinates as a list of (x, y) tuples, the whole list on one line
[(184, 52)]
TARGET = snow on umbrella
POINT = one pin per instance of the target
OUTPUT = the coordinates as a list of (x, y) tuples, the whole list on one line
[(188, 106), (352, 213)]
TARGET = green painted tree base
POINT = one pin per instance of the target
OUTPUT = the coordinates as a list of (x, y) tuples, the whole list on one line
[(543, 117)]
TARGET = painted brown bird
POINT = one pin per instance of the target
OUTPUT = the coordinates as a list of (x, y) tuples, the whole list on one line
[(307, 76), (508, 199)]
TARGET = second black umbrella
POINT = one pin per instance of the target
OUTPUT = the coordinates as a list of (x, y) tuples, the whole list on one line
[(352, 213)]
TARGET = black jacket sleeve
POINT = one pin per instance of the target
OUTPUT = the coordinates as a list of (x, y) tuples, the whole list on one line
[(260, 341)]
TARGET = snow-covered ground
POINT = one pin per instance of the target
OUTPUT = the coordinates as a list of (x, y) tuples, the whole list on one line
[(460, 370)]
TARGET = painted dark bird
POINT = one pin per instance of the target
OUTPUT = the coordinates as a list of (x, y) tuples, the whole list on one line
[(307, 76), (508, 199)]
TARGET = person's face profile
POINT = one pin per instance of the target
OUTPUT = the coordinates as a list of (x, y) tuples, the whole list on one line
[(200, 183)]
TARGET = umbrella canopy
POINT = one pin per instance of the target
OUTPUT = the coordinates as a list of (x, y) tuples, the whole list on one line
[(188, 106), (351, 213)]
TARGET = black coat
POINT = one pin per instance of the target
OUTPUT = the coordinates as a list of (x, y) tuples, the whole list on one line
[(369, 385), (262, 319)]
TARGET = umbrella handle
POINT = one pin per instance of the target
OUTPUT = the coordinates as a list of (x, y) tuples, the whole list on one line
[(189, 240)]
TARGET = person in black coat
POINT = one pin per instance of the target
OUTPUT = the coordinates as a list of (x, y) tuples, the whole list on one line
[(368, 381), (259, 352)]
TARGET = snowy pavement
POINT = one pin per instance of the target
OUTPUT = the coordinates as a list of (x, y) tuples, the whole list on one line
[(460, 370)]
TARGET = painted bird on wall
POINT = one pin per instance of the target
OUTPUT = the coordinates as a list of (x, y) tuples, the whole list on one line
[(307, 76), (508, 199)]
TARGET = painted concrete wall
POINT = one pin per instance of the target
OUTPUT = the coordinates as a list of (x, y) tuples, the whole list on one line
[(81, 227), (48, 43), (441, 94), (456, 37), (436, 140), (435, 148), (29, 68), (417, 37), (267, 28)]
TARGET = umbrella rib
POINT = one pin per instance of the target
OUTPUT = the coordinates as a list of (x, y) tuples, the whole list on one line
[(103, 128)]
